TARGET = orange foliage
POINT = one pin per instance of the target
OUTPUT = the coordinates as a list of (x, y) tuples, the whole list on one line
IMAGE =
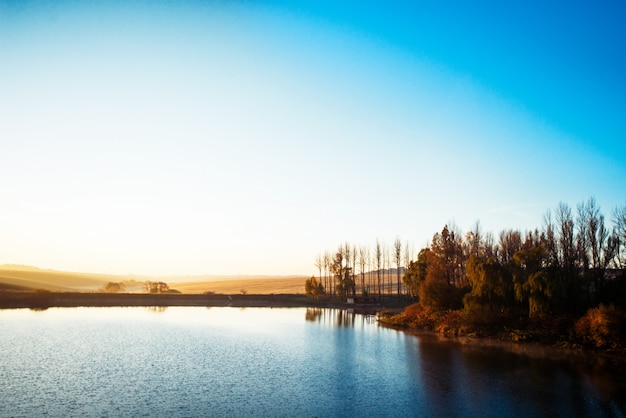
[(601, 327)]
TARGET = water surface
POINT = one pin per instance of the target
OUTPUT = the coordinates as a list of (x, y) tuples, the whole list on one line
[(271, 362)]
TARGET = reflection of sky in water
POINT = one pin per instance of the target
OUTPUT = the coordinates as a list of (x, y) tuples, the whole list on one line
[(264, 362)]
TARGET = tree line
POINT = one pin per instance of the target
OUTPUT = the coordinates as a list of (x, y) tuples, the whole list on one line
[(353, 270), (574, 261), (148, 287)]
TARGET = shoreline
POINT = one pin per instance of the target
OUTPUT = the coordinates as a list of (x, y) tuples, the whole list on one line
[(584, 356), (44, 300)]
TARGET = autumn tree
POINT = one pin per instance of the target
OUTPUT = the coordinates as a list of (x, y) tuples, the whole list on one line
[(532, 283), (447, 246), (342, 273), (492, 289), (574, 262), (313, 288), (445, 282), (416, 273)]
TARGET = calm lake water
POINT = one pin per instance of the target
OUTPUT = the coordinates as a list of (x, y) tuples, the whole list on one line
[(272, 362)]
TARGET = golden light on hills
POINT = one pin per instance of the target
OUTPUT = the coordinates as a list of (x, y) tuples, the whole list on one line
[(29, 278)]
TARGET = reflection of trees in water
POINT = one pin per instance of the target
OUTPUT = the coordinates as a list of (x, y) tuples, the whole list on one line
[(313, 314), (156, 309), (345, 318), (440, 380), (452, 374), (339, 317)]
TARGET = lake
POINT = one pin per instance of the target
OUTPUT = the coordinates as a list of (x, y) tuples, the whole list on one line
[(297, 362)]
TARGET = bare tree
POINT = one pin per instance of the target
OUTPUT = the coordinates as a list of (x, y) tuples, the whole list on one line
[(566, 252), (550, 244), (407, 262), (369, 258), (397, 256), (378, 257), (347, 253), (597, 245), (319, 263), (363, 256), (407, 254), (582, 243), (619, 224), (327, 263), (473, 241), (510, 243), (355, 256), (596, 233), (386, 268), (489, 243)]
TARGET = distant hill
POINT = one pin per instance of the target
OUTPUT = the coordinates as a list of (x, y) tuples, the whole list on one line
[(27, 278), (33, 278)]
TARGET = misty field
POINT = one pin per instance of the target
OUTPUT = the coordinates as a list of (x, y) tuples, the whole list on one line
[(20, 278)]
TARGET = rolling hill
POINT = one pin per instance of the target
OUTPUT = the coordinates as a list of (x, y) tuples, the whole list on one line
[(26, 278)]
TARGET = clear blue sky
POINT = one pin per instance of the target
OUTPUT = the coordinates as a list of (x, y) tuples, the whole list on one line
[(246, 137)]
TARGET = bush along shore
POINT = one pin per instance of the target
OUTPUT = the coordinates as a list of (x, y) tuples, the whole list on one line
[(599, 331)]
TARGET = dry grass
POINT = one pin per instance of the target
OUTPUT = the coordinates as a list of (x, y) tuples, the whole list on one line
[(256, 286)]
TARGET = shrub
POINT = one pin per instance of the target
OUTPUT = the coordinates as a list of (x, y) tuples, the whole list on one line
[(313, 289), (451, 324), (419, 316), (600, 327)]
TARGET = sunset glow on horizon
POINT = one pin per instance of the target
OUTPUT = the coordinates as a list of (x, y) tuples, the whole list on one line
[(246, 137)]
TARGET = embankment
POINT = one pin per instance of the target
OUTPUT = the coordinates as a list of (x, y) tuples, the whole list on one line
[(42, 300)]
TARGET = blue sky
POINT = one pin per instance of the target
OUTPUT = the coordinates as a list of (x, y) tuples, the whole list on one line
[(245, 137)]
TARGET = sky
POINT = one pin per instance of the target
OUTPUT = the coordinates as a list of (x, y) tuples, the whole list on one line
[(246, 137)]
